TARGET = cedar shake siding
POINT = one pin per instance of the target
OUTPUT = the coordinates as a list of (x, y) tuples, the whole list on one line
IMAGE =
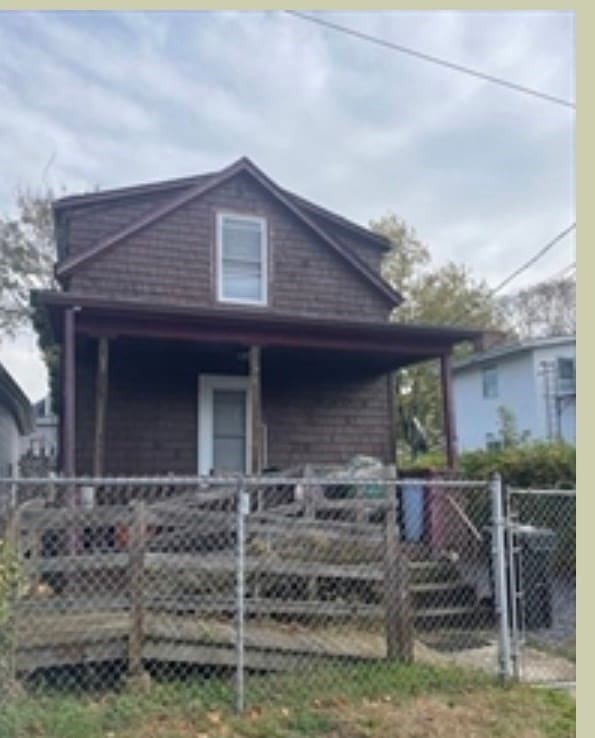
[(314, 412), (326, 418), (172, 261)]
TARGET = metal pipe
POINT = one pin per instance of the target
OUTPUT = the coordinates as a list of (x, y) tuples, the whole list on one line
[(499, 565), (243, 506), (271, 480), (514, 588)]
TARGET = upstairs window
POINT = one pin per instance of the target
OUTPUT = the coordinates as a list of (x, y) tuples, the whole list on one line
[(490, 381), (566, 376), (241, 259)]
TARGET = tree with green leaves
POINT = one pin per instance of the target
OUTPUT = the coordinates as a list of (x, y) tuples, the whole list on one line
[(442, 295), (27, 254)]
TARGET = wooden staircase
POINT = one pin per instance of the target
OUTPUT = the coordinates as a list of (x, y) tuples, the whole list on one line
[(442, 598)]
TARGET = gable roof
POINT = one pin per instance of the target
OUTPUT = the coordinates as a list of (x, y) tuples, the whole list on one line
[(194, 188), (503, 352)]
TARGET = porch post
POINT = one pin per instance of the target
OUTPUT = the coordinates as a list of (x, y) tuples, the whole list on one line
[(448, 410), (69, 395), (391, 380), (256, 407), (101, 392)]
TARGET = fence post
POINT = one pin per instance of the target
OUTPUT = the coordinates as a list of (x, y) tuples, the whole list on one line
[(242, 509), (514, 583), (137, 566), (500, 578), (398, 613)]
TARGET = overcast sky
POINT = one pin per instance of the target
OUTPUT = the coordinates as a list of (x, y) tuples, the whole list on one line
[(484, 174)]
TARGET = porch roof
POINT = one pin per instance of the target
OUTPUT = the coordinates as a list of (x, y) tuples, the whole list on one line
[(396, 344)]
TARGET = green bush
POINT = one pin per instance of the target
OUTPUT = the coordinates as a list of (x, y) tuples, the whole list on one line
[(9, 577), (536, 465)]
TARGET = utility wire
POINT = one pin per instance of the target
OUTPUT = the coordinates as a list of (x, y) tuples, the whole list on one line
[(566, 270), (432, 59), (529, 263)]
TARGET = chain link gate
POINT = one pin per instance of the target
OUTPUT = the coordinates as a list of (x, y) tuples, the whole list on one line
[(541, 569)]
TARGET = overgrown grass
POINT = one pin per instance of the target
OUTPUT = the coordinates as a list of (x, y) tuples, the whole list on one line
[(352, 702)]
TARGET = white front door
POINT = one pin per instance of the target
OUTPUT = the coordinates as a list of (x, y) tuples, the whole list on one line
[(224, 424)]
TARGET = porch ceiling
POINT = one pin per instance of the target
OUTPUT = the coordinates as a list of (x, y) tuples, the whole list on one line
[(387, 345)]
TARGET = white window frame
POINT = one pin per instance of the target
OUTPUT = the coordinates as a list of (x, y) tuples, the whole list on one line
[(206, 384), (264, 250)]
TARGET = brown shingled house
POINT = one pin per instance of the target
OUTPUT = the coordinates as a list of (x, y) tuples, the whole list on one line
[(221, 323)]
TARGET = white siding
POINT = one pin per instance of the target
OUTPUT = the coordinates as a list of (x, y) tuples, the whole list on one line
[(520, 389), (477, 416)]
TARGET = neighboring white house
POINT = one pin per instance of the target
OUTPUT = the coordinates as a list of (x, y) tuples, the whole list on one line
[(16, 420), (43, 439), (533, 379)]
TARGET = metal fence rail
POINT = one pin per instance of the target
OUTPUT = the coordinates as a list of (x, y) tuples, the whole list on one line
[(225, 579)]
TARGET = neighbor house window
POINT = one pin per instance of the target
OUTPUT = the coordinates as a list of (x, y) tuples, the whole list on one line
[(490, 381), (566, 375), (241, 259)]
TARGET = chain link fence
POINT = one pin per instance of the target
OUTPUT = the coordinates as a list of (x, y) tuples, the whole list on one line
[(541, 548), (226, 581)]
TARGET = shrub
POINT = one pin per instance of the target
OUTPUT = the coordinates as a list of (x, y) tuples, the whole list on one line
[(8, 587), (534, 465)]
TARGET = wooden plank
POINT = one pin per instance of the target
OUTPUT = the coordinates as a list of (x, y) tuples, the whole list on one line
[(72, 628), (191, 653), (62, 609), (101, 394), (137, 566), (349, 527), (256, 409), (223, 563), (79, 563), (60, 518), (69, 655), (399, 618), (293, 638), (265, 607)]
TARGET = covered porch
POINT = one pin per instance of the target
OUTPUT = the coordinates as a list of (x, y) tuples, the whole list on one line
[(150, 389)]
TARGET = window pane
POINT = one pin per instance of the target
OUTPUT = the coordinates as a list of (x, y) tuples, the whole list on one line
[(229, 412), (566, 368), (490, 382), (229, 430), (241, 260), (242, 240), (229, 455), (241, 286)]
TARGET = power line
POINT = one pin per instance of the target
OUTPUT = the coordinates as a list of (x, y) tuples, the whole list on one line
[(534, 258), (563, 272), (529, 263), (432, 59)]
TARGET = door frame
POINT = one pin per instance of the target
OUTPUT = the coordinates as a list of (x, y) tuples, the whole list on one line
[(206, 384)]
